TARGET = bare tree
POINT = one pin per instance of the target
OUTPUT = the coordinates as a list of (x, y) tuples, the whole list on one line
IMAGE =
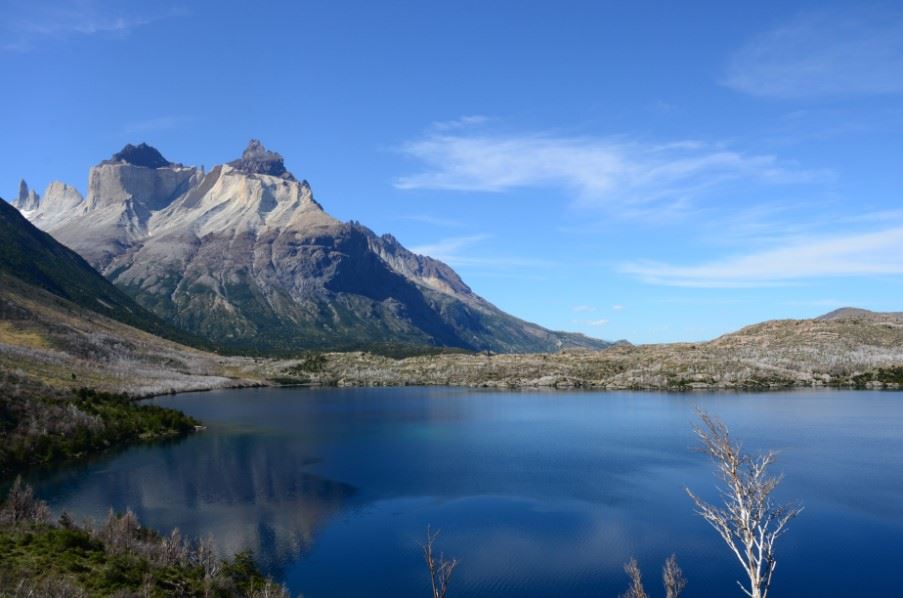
[(206, 558), (749, 522), (21, 506), (440, 569), (636, 589), (673, 578), (269, 590)]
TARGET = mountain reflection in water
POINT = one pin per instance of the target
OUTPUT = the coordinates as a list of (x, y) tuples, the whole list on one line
[(536, 493), (247, 494)]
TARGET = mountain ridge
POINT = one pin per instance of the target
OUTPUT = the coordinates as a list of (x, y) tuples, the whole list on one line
[(244, 255)]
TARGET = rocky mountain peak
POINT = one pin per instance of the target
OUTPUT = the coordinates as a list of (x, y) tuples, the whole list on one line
[(245, 256), (27, 200), (140, 155), (256, 159)]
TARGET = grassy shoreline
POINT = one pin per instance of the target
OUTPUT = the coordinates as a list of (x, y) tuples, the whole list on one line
[(44, 427)]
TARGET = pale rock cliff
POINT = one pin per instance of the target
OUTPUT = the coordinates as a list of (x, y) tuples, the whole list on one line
[(244, 255)]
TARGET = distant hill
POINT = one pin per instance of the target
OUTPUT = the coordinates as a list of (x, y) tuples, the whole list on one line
[(37, 259), (852, 313), (852, 348), (244, 255)]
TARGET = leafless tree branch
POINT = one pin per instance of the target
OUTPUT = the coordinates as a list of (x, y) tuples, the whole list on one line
[(636, 589), (749, 521), (673, 578), (440, 568)]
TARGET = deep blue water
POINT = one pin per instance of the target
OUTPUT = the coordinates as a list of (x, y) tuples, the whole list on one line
[(536, 494)]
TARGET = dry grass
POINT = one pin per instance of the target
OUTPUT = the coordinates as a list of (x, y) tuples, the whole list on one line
[(45, 338), (20, 337), (853, 351)]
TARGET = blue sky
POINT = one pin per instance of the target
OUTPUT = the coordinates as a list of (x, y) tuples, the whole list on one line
[(653, 171)]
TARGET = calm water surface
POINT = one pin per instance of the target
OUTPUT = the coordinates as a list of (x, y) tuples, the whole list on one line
[(537, 494)]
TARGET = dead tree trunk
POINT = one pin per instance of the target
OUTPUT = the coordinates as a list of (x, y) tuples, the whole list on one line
[(749, 521)]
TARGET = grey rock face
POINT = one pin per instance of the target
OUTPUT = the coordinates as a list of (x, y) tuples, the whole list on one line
[(59, 203), (244, 255), (121, 199), (256, 159), (140, 155), (23, 191), (27, 200)]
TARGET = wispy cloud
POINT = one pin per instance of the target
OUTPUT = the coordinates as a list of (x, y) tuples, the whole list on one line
[(432, 220), (450, 246), (453, 251), (827, 53), (159, 123), (597, 171), (851, 255), (30, 24), (595, 323), (461, 122), (583, 308)]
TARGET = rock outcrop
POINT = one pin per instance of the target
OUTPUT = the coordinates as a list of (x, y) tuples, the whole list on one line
[(27, 200), (57, 205), (256, 159), (140, 155)]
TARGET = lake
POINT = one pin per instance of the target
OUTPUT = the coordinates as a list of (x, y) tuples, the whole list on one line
[(535, 493)]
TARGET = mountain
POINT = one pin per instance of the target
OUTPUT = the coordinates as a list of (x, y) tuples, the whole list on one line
[(35, 258), (27, 200), (245, 256)]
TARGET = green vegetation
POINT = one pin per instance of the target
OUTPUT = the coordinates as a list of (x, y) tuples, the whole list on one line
[(308, 363), (34, 257), (892, 376), (40, 426), (40, 557)]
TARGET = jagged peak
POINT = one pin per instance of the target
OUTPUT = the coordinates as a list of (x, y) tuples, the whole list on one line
[(27, 200), (256, 159), (140, 155)]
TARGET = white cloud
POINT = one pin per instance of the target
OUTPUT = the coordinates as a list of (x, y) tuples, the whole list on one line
[(452, 251), (432, 220), (462, 122), (595, 170), (823, 54), (617, 307), (29, 24), (860, 254), (504, 262), (595, 323), (583, 308), (449, 247)]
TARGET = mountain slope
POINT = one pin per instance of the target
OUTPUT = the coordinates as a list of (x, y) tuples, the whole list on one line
[(48, 340), (35, 258), (244, 255)]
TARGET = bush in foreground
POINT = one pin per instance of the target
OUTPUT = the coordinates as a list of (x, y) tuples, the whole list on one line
[(43, 557)]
